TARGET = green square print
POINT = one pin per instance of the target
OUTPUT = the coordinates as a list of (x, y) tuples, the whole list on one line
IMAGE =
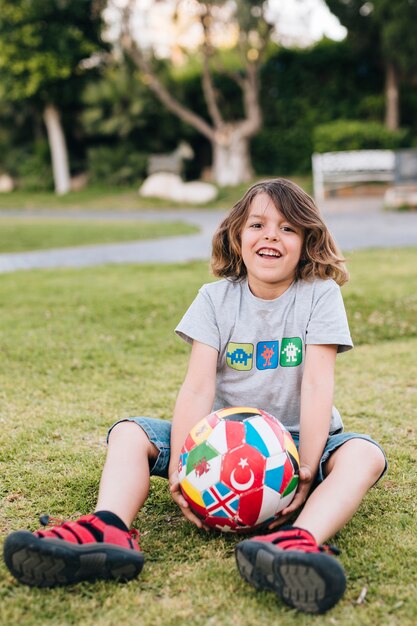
[(291, 353)]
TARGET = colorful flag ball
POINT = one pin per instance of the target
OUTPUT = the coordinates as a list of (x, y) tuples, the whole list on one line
[(238, 469)]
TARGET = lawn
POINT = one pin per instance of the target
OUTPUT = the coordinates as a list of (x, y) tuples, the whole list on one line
[(121, 199), (81, 348), (19, 234)]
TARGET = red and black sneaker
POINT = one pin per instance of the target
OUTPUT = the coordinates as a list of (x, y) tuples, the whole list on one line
[(87, 549), (291, 563)]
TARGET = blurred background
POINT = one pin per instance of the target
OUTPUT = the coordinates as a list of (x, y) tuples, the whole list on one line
[(90, 89)]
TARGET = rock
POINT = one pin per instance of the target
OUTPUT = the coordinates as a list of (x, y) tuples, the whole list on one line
[(6, 183), (196, 192), (401, 196), (160, 185), (171, 187)]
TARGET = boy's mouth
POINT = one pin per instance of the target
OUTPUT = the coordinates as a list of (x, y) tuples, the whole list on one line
[(269, 252)]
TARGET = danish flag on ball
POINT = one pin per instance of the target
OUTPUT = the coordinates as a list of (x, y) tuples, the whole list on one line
[(238, 469)]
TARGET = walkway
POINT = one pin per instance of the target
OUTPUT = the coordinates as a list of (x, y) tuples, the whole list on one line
[(163, 250), (355, 223)]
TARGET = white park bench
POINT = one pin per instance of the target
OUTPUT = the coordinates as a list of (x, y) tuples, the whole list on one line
[(333, 170)]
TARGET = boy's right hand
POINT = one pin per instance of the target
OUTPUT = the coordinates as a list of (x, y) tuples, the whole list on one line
[(174, 487)]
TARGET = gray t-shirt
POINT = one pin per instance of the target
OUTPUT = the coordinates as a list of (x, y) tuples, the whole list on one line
[(261, 343)]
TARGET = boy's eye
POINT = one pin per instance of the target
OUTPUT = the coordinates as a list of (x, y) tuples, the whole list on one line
[(256, 225), (288, 229)]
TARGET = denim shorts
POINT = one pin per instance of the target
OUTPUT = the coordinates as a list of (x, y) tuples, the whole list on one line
[(159, 433)]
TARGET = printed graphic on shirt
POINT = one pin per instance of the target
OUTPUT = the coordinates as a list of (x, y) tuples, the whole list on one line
[(239, 356), (291, 353), (267, 355)]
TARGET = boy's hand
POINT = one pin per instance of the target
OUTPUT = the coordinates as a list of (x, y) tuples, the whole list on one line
[(174, 487), (304, 486)]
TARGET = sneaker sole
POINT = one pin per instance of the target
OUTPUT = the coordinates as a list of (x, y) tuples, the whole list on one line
[(309, 582), (51, 562)]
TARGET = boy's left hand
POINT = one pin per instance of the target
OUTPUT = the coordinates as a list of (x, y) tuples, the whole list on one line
[(174, 487), (304, 486)]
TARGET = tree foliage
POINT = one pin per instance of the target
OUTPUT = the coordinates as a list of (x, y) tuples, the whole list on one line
[(114, 121), (384, 30), (46, 47), (229, 138), (354, 135), (381, 27), (119, 107), (43, 44)]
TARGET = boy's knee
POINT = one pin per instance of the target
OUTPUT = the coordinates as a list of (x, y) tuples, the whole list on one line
[(369, 455), (127, 429), (127, 432), (361, 454), (121, 428), (377, 460)]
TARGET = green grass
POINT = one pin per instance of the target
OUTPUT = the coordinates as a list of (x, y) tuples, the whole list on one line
[(81, 348), (121, 199), (19, 234)]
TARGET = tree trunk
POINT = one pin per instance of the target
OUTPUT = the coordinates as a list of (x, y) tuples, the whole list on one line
[(230, 141), (58, 147), (392, 99), (231, 159)]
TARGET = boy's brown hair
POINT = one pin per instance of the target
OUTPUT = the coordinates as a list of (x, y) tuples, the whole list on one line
[(320, 256)]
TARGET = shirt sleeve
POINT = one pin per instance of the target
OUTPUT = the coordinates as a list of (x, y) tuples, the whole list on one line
[(328, 322), (199, 322)]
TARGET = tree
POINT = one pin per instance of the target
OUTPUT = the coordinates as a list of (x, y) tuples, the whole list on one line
[(44, 46), (229, 138), (387, 29)]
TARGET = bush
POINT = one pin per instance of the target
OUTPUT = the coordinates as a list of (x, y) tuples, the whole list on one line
[(116, 165), (356, 135), (277, 150), (29, 166)]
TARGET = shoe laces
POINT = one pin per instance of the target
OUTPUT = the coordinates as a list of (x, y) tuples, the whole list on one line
[(134, 534), (48, 520), (329, 549)]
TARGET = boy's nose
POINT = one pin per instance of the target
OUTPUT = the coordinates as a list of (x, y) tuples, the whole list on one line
[(271, 235)]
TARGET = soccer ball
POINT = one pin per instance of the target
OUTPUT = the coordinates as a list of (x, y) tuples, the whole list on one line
[(238, 469)]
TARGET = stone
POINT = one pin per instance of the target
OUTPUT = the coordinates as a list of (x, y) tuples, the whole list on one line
[(6, 183), (401, 197), (171, 187)]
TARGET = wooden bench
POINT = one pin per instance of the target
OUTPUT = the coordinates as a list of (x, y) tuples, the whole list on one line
[(333, 170)]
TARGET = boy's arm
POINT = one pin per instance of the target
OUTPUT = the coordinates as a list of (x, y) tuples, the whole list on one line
[(195, 401), (316, 409)]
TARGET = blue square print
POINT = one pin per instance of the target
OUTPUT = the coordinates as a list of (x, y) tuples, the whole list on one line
[(267, 354)]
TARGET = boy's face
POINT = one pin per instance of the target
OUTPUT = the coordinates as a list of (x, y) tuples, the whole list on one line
[(271, 249)]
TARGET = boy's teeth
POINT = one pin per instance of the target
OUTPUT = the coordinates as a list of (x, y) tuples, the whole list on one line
[(269, 253)]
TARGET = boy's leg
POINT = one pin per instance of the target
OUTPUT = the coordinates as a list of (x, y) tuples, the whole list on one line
[(125, 480), (291, 562), (349, 474), (98, 545)]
